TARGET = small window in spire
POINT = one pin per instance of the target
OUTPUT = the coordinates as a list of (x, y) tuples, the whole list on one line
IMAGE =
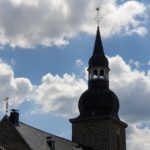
[(95, 74)]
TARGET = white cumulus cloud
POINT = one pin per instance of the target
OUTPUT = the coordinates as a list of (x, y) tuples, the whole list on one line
[(79, 63), (28, 23), (58, 94), (135, 63), (133, 89), (138, 138), (17, 89)]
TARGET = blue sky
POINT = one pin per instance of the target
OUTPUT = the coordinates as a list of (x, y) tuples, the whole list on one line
[(43, 60)]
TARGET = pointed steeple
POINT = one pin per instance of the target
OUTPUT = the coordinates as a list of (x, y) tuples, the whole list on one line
[(98, 47), (98, 59)]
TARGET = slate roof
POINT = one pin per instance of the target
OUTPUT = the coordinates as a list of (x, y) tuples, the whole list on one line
[(37, 139), (32, 137)]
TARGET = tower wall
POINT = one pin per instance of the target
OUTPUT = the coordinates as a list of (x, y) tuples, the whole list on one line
[(100, 134)]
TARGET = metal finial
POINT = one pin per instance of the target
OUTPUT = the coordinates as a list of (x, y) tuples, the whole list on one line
[(98, 16), (7, 104)]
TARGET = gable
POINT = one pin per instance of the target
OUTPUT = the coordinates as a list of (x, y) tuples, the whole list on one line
[(10, 139)]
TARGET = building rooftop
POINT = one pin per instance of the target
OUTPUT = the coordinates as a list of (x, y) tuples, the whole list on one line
[(16, 134), (38, 140)]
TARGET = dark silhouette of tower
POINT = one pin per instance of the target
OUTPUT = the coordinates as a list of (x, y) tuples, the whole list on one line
[(98, 126)]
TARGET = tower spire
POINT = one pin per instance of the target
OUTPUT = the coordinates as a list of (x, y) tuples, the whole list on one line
[(98, 58), (98, 47)]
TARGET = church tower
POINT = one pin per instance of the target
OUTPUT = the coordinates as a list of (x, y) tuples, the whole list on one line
[(98, 126)]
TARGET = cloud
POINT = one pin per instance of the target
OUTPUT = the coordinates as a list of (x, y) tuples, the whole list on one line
[(79, 63), (148, 63), (134, 63), (17, 89), (55, 94), (138, 138), (139, 30), (59, 95), (48, 22), (132, 87)]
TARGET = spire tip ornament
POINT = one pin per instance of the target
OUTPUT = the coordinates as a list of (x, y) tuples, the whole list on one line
[(98, 17)]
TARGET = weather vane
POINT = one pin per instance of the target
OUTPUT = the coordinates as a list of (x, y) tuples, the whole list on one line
[(98, 16), (7, 104)]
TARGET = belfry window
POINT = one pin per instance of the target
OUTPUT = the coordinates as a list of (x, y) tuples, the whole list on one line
[(102, 74), (98, 73), (95, 74)]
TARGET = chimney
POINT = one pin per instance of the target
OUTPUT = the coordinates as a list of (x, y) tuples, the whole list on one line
[(14, 117)]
